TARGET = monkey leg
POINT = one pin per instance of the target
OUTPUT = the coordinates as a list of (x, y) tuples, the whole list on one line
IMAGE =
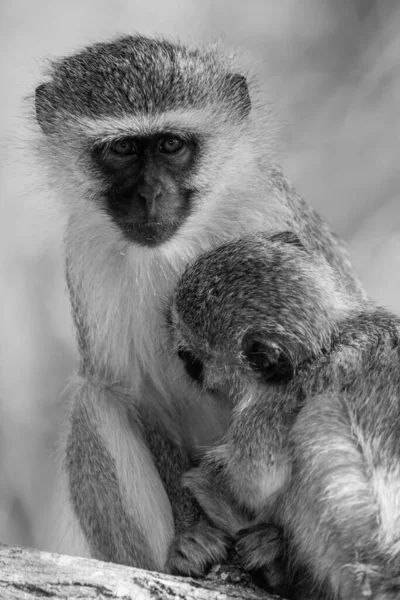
[(118, 499), (172, 461), (342, 509)]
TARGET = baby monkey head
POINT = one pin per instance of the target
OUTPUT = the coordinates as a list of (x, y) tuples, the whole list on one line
[(253, 309)]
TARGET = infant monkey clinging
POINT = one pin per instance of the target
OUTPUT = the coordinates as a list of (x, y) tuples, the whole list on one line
[(313, 442)]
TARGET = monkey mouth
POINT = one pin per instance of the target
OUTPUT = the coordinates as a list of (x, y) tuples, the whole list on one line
[(149, 233)]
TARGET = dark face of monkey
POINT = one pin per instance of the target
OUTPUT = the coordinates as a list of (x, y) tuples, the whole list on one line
[(126, 114), (147, 194)]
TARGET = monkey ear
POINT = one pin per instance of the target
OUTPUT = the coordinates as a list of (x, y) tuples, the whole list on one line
[(267, 359), (239, 93), (44, 106)]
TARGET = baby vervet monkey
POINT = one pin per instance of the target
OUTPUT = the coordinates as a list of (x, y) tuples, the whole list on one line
[(313, 444)]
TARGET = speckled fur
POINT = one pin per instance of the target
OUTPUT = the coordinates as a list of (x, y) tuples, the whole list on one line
[(318, 455), (138, 86)]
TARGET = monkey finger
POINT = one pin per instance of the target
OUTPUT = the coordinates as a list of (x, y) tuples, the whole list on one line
[(259, 546)]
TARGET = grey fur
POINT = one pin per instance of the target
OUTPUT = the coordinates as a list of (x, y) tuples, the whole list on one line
[(331, 433), (171, 461), (135, 74), (248, 274), (313, 232), (96, 497)]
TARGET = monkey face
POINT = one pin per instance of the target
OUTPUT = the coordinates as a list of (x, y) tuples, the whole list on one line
[(256, 361), (147, 190), (236, 360), (123, 123)]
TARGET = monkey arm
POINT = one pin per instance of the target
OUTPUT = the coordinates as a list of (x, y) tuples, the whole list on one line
[(254, 457), (116, 493), (237, 484), (244, 475), (208, 539)]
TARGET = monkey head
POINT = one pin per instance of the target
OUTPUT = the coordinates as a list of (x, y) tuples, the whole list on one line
[(253, 309), (133, 124)]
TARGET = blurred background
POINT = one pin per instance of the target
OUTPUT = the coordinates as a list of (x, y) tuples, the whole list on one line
[(331, 70)]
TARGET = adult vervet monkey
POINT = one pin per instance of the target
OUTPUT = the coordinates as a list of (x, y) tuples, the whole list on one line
[(159, 152)]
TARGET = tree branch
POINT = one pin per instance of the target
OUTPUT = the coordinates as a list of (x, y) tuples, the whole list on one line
[(27, 574)]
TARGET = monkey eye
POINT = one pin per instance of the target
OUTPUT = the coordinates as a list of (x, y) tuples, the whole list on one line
[(170, 145), (124, 147)]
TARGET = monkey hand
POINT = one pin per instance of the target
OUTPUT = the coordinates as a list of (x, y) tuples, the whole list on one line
[(260, 548), (197, 549)]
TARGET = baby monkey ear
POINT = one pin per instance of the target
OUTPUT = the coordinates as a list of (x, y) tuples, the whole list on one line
[(267, 359)]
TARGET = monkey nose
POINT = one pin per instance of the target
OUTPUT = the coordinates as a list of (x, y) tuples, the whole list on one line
[(150, 194)]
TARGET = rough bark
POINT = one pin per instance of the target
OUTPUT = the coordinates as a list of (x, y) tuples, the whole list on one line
[(27, 574)]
